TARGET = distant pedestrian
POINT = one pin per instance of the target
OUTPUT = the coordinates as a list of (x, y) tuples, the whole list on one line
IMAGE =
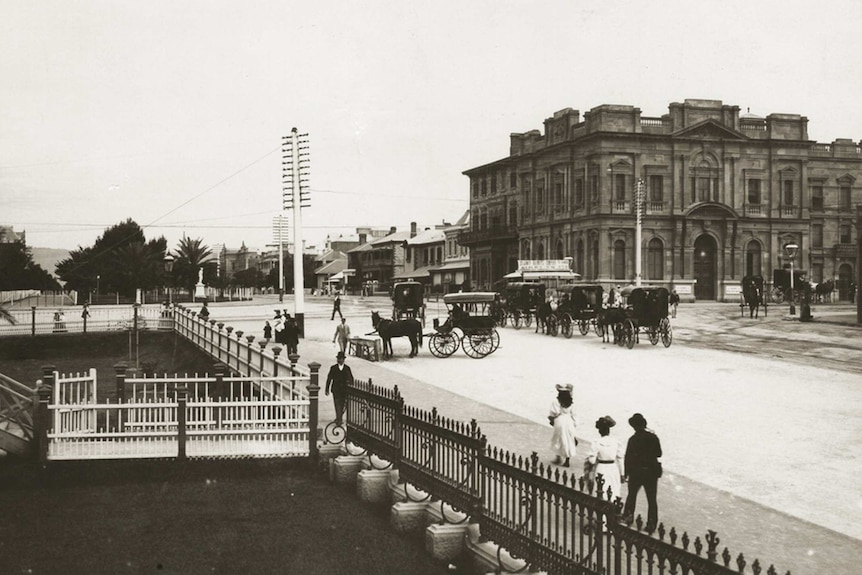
[(85, 312), (59, 321), (342, 335), (673, 301), (204, 314), (338, 380), (562, 417), (267, 331), (291, 334), (642, 468), (606, 457), (336, 307)]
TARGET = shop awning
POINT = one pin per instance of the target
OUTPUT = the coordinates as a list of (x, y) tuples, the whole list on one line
[(554, 274), (452, 266), (415, 274), (336, 277), (513, 275)]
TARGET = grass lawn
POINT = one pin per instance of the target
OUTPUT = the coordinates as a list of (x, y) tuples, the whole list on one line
[(195, 517)]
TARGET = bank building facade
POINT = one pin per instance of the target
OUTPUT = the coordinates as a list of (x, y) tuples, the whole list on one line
[(721, 194)]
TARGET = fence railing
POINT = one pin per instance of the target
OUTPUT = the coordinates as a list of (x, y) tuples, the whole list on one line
[(38, 321), (555, 522)]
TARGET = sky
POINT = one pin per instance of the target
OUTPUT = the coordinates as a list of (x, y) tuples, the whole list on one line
[(172, 113)]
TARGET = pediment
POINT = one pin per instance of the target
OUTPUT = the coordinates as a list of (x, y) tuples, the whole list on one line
[(710, 211), (709, 130)]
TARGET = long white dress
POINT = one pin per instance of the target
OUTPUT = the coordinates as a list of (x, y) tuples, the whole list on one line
[(563, 440), (607, 454)]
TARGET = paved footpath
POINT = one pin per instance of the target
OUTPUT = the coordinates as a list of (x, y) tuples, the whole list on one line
[(758, 531)]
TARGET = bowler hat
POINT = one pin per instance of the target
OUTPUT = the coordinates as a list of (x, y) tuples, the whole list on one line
[(637, 421), (339, 355), (565, 387)]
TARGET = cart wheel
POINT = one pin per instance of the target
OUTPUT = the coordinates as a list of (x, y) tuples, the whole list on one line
[(629, 330), (443, 344), (584, 327), (551, 325), (528, 319), (495, 340), (566, 325), (653, 334), (478, 345), (516, 320), (666, 332)]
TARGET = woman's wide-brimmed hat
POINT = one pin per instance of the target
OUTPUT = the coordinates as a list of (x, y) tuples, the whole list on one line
[(605, 421), (637, 421), (565, 387)]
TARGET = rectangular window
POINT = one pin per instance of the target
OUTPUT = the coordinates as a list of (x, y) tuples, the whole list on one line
[(558, 195), (817, 236), (513, 180), (513, 216), (475, 187), (704, 189), (484, 186), (844, 197), (788, 193), (817, 273), (817, 198), (494, 184), (844, 234), (594, 190), (754, 191), (540, 198), (579, 192), (620, 187), (656, 188)]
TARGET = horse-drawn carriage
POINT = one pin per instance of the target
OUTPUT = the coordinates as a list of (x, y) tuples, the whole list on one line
[(522, 301), (408, 301), (645, 312), (752, 296), (470, 325), (781, 285), (579, 304)]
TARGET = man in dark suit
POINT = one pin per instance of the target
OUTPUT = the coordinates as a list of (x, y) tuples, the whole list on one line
[(643, 469), (338, 379)]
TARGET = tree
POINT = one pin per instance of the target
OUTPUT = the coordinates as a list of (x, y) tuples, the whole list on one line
[(193, 256), (251, 277), (121, 260), (19, 271)]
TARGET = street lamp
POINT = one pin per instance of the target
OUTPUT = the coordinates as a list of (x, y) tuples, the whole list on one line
[(791, 251), (169, 266)]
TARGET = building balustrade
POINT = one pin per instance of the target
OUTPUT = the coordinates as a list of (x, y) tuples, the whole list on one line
[(789, 210), (655, 207), (488, 234), (753, 125), (620, 206), (753, 210)]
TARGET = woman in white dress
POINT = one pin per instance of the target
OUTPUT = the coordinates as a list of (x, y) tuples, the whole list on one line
[(606, 457), (562, 418)]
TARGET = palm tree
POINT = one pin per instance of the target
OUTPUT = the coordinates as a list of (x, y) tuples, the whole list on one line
[(192, 256)]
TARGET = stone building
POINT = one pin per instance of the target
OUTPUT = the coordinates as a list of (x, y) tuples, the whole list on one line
[(721, 192)]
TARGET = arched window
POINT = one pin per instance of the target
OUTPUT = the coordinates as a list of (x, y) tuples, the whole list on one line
[(595, 258), (620, 260), (540, 251), (752, 259), (655, 259), (526, 252), (560, 251)]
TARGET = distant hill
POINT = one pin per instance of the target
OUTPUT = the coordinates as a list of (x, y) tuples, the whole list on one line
[(48, 258)]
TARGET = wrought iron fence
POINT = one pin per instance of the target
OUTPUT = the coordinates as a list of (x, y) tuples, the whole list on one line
[(554, 521)]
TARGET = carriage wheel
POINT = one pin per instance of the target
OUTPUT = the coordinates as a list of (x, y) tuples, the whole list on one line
[(599, 328), (627, 334), (443, 344), (652, 331), (516, 320), (666, 332), (777, 295), (584, 327), (566, 325), (528, 319), (478, 345), (551, 325)]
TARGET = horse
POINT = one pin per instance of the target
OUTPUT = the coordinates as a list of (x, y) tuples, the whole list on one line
[(823, 289), (611, 319), (543, 311), (387, 329)]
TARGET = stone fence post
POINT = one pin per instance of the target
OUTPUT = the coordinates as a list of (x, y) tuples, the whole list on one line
[(313, 391)]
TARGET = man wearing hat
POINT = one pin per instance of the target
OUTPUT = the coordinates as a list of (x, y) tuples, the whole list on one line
[(643, 469), (338, 380)]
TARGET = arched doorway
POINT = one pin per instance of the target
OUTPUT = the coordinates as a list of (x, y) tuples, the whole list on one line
[(845, 276), (704, 267)]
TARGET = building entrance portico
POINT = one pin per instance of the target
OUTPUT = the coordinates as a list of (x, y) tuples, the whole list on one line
[(704, 267)]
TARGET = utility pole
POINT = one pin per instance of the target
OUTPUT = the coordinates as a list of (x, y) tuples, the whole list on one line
[(278, 237), (295, 168), (639, 210)]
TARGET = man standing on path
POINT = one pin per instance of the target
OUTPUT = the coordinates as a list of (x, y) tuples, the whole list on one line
[(336, 307), (342, 335), (642, 470), (338, 380), (673, 300)]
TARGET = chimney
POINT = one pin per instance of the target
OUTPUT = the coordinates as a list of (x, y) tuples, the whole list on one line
[(392, 230), (362, 239), (412, 229)]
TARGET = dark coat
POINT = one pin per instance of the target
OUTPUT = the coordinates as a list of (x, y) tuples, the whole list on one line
[(337, 380), (642, 453)]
